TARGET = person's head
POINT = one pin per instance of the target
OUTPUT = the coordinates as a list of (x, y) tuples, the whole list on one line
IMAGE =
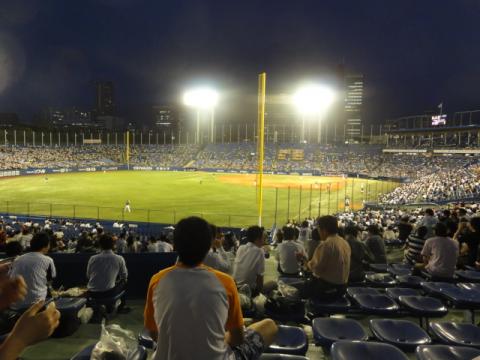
[(462, 212), (327, 226), (373, 230), (315, 235), (351, 230), (304, 224), (422, 231), (229, 242), (429, 212), (289, 233), (106, 242), (405, 219), (13, 248), (441, 229), (475, 224), (40, 242), (255, 235), (446, 213), (192, 240)]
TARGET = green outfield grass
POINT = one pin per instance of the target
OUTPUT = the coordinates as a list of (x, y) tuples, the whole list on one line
[(225, 199)]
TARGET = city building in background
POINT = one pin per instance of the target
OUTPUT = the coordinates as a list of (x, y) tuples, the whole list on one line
[(105, 99), (354, 84)]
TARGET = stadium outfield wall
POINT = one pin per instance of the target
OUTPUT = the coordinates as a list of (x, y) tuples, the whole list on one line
[(43, 171)]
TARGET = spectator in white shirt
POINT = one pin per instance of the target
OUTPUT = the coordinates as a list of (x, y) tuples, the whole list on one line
[(289, 252), (106, 272), (249, 265), (217, 257), (37, 269)]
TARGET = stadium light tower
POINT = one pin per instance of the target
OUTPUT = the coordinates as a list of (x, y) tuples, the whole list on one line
[(202, 98), (314, 100)]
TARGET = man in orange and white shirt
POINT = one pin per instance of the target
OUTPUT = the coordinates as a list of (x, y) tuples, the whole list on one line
[(194, 311)]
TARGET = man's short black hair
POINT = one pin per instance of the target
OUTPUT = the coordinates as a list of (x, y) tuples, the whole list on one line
[(288, 233), (373, 229), (40, 241), (441, 229), (475, 223), (192, 239), (329, 224), (254, 233), (429, 212), (422, 231), (351, 230), (106, 242)]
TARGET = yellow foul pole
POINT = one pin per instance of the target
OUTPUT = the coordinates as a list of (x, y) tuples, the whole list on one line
[(127, 149), (262, 82)]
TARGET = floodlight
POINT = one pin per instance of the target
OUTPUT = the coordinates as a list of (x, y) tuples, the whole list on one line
[(201, 98), (313, 99)]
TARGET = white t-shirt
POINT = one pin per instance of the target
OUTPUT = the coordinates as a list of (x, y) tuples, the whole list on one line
[(287, 256), (248, 264)]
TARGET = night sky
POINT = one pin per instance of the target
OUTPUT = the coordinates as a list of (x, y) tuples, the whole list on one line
[(414, 54)]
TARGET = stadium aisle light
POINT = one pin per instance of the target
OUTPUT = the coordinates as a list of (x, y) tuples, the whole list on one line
[(201, 98), (313, 99)]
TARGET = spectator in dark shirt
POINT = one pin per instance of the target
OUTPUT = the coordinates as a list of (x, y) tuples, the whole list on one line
[(404, 229), (376, 244), (359, 256), (449, 222), (468, 236)]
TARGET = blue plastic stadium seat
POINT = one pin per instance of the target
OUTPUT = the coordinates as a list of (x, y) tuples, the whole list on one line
[(139, 354), (423, 306), (352, 291), (145, 340), (445, 352), (282, 357), (395, 293), (376, 304), (69, 320), (338, 306), (360, 350), (401, 333), (326, 331), (463, 298), (399, 271), (468, 275), (409, 281), (451, 333), (378, 267), (436, 288), (472, 268), (431, 277), (469, 286), (380, 280), (290, 340)]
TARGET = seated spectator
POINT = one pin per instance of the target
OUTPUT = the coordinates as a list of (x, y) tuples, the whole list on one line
[(85, 243), (165, 243), (468, 236), (414, 245), (206, 321), (305, 233), (313, 243), (450, 222), (389, 234), (404, 228), (217, 258), (37, 269), (25, 237), (359, 255), (429, 220), (289, 253), (376, 245), (106, 272), (133, 244), (330, 264), (121, 244), (249, 265), (440, 254)]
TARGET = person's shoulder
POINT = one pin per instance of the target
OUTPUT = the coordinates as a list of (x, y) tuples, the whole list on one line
[(161, 274), (225, 279)]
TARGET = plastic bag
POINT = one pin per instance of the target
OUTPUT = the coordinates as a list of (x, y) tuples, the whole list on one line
[(115, 344), (85, 315), (259, 302), (288, 291)]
